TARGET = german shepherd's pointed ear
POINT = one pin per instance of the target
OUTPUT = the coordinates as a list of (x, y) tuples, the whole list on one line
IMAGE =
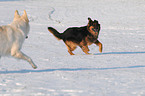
[(16, 14), (24, 16), (95, 21), (90, 21)]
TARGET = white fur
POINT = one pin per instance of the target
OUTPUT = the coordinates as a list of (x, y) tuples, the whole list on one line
[(12, 37)]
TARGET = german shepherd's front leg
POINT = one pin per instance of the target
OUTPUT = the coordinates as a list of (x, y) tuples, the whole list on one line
[(20, 55), (98, 43)]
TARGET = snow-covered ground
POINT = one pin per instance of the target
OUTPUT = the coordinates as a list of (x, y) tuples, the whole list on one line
[(118, 71)]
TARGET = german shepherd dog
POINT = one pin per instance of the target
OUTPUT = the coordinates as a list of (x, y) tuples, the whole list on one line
[(80, 36), (12, 37)]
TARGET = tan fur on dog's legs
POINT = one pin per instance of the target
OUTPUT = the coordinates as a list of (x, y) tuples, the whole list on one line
[(85, 49), (70, 46), (70, 50), (21, 55), (100, 45)]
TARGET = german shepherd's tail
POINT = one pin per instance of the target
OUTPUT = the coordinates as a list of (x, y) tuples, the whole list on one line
[(55, 33)]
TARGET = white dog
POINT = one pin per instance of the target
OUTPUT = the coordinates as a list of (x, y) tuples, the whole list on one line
[(12, 37)]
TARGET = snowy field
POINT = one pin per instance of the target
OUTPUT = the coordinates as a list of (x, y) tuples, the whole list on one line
[(118, 71)]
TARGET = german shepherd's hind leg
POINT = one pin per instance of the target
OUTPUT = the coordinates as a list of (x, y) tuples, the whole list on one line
[(20, 55), (70, 46), (70, 50), (98, 43), (85, 49)]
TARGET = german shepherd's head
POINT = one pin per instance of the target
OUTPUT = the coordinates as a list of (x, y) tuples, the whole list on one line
[(93, 27)]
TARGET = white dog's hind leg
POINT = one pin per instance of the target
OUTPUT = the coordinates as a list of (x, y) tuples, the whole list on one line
[(21, 55)]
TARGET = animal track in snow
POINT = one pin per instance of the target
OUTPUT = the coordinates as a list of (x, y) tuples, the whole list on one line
[(50, 16)]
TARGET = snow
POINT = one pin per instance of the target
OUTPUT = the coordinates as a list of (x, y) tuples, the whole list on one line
[(118, 71)]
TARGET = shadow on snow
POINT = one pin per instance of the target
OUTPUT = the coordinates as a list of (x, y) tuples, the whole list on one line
[(9, 0), (113, 53), (79, 69), (69, 69)]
